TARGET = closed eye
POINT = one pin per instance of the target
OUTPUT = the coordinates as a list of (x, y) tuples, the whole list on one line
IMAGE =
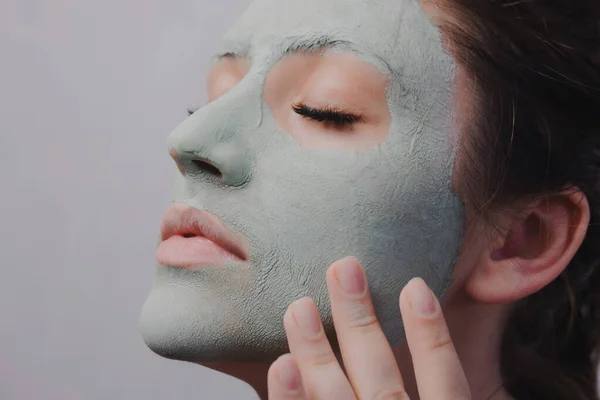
[(328, 115)]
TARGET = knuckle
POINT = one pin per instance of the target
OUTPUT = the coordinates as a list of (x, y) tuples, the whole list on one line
[(364, 322), (440, 339), (435, 335), (395, 393), (362, 317), (321, 359)]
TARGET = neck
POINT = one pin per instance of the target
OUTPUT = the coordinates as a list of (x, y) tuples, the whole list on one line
[(477, 346)]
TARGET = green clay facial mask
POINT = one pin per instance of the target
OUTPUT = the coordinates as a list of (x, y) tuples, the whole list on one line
[(299, 208)]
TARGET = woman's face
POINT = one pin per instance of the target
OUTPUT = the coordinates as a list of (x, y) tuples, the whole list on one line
[(327, 135)]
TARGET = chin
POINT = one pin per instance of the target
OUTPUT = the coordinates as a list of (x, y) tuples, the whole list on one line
[(189, 320)]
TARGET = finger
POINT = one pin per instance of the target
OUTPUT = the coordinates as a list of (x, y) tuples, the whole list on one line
[(322, 375), (284, 380), (437, 368), (368, 358)]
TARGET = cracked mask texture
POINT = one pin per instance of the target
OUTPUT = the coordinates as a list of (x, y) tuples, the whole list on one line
[(391, 205)]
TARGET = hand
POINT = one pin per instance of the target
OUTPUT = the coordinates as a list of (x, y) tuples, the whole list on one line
[(312, 371)]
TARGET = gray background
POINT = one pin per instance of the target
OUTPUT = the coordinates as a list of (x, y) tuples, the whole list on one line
[(89, 91)]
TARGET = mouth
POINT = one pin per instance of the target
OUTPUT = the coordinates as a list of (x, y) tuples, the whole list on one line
[(193, 238)]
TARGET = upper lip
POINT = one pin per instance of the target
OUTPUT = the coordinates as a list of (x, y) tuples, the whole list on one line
[(181, 220)]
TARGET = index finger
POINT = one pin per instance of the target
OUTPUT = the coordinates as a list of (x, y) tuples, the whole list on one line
[(369, 360), (437, 367)]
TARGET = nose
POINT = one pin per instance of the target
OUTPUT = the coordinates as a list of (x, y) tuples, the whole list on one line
[(201, 165), (211, 144)]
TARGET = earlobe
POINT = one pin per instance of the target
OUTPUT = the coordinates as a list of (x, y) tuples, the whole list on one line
[(533, 251)]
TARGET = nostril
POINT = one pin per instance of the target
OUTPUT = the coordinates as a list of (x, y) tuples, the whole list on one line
[(207, 167)]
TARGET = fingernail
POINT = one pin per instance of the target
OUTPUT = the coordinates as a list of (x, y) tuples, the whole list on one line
[(306, 316), (289, 374), (350, 276), (421, 298)]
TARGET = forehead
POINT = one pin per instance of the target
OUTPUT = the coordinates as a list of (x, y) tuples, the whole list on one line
[(388, 30)]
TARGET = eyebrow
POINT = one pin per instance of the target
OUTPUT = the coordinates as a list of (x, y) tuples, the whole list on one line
[(318, 43), (299, 45), (314, 44), (229, 54)]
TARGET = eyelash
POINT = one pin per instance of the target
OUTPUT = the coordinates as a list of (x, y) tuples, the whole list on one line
[(327, 115)]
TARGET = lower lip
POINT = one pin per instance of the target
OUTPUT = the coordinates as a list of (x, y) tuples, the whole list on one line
[(179, 251)]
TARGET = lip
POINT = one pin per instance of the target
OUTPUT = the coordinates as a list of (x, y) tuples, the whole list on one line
[(196, 238)]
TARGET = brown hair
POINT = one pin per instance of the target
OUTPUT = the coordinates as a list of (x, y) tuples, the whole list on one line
[(535, 69)]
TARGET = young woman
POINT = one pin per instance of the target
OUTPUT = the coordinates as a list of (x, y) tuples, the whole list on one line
[(326, 136)]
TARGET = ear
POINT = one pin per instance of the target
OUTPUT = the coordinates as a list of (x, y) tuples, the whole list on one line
[(534, 250)]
